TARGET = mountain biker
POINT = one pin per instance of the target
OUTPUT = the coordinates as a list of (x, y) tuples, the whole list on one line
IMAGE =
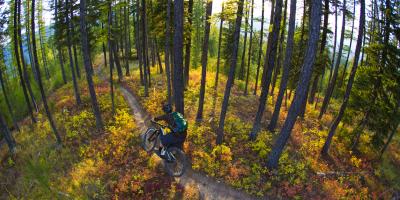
[(178, 129)]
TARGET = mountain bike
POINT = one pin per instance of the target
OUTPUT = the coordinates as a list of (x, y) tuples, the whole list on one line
[(174, 159)]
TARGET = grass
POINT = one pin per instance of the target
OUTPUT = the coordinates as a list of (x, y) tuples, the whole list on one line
[(109, 164), (240, 163)]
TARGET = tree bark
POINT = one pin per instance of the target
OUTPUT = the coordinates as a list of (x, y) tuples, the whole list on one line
[(40, 84), (269, 63), (306, 72), (59, 46), (24, 65), (188, 46), (167, 48), (250, 49), (334, 42), (7, 135), (6, 97), (219, 47), (146, 68), (87, 64), (71, 60), (178, 82), (351, 41), (231, 76), (242, 64), (204, 57), (17, 58), (260, 48), (127, 45), (286, 66), (332, 83), (110, 54)]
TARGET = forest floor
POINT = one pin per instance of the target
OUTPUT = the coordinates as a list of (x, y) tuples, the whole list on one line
[(110, 164)]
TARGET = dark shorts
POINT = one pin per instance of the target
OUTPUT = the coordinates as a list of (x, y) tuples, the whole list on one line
[(171, 139)]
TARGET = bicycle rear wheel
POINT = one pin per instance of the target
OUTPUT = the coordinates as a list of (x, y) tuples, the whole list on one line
[(177, 166), (150, 139)]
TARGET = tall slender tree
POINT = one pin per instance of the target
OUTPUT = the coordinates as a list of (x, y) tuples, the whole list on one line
[(221, 22), (349, 52), (178, 83), (188, 45), (17, 59), (69, 47), (24, 65), (249, 55), (167, 48), (87, 64), (286, 66), (40, 84), (314, 29), (269, 63), (260, 47), (204, 57), (332, 83), (111, 59), (242, 63), (146, 68), (335, 123), (231, 75)]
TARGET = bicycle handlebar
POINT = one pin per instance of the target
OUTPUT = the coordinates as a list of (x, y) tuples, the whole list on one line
[(159, 124)]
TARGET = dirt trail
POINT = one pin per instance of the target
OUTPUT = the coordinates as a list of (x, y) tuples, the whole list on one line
[(208, 187)]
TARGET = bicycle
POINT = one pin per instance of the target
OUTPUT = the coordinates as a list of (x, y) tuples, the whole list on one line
[(174, 160)]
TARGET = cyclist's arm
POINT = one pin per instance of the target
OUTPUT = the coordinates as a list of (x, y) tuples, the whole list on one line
[(161, 118)]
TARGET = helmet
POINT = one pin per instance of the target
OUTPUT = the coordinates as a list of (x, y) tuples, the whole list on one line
[(167, 108)]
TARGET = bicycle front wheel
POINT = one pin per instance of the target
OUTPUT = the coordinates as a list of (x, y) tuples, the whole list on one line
[(150, 139)]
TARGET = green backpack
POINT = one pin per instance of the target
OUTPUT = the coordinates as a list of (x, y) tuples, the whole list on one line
[(180, 122)]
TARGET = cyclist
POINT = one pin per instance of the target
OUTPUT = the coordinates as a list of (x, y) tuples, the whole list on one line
[(178, 129)]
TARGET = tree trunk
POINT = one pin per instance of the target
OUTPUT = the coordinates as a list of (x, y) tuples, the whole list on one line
[(178, 83), (231, 76), (204, 60), (104, 49), (24, 66), (40, 84), (306, 72), (71, 60), (242, 64), (188, 46), (138, 47), (127, 45), (323, 44), (87, 64), (17, 58), (7, 135), (219, 47), (158, 56), (167, 48), (334, 42), (269, 63), (146, 68), (332, 83), (351, 41), (250, 49), (260, 48), (6, 97), (110, 54), (286, 66), (58, 47), (78, 71)]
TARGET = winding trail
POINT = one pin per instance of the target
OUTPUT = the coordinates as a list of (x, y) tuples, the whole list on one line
[(209, 188)]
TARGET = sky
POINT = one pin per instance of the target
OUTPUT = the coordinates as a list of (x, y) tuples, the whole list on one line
[(217, 5)]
